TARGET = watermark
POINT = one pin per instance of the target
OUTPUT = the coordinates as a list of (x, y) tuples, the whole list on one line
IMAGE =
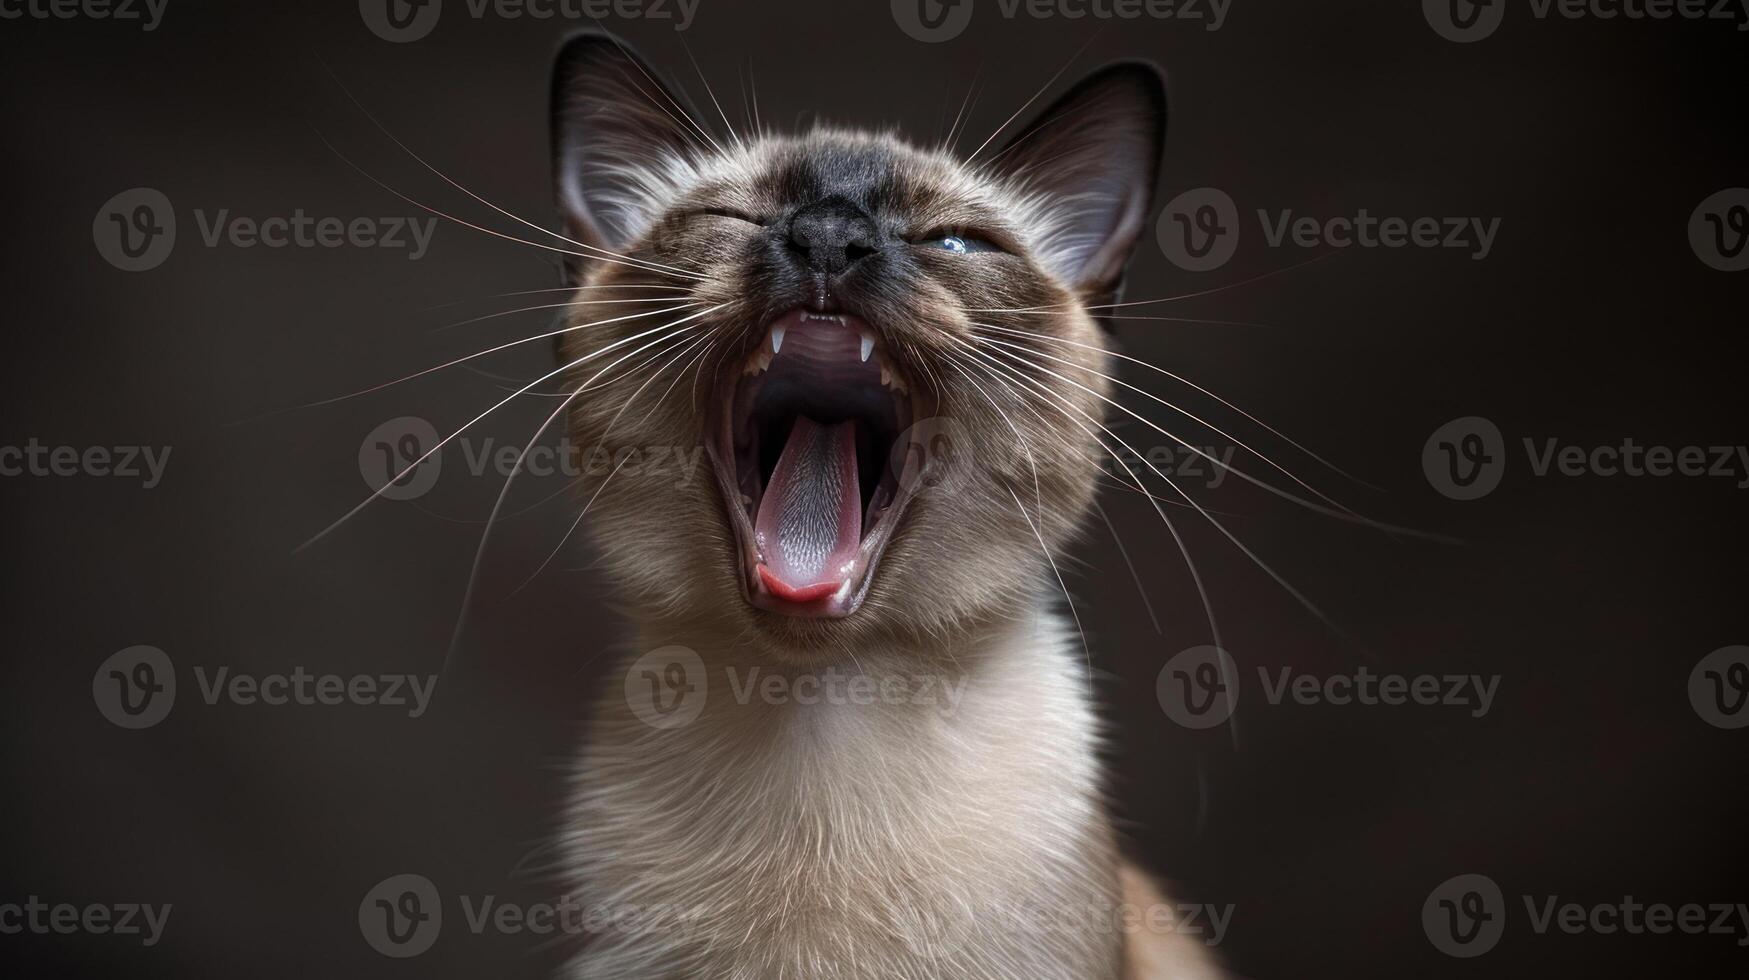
[(136, 688), (1465, 916), (136, 231), (938, 918), (1180, 463), (668, 687), (1718, 230), (1465, 21), (933, 21), (404, 21), (1465, 459), (841, 687), (1199, 688), (146, 13), (34, 459), (933, 454), (1718, 687), (396, 459), (1199, 230), (401, 916), (1474, 692), (36, 916)]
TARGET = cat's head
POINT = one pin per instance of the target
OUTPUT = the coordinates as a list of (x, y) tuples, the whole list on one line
[(885, 351)]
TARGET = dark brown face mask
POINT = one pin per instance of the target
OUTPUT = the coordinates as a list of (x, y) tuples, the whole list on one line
[(840, 279)]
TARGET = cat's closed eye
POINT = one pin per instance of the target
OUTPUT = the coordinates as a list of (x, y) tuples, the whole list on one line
[(729, 213)]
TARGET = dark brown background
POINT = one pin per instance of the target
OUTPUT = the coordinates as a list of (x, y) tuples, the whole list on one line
[(1326, 827)]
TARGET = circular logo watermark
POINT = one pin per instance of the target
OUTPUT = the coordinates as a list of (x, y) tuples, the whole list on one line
[(1718, 687), (932, 21), (1199, 230), (390, 449), (1199, 688), (1465, 458), (1464, 916), (1464, 21), (666, 688), (136, 687), (135, 230), (933, 454), (1718, 230), (401, 916), (400, 21)]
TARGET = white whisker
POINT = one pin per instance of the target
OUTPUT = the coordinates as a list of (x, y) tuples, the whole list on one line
[(517, 218), (504, 492), (447, 439)]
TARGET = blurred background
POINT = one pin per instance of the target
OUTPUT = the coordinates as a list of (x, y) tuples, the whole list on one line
[(1590, 599)]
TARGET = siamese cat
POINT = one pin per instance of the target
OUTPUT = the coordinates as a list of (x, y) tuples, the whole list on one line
[(884, 491)]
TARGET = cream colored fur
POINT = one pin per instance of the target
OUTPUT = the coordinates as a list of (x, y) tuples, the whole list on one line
[(777, 841)]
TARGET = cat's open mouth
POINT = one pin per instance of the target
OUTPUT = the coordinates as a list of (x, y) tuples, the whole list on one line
[(812, 457)]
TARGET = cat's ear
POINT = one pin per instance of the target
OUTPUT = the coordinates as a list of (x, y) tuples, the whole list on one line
[(1094, 157), (621, 140)]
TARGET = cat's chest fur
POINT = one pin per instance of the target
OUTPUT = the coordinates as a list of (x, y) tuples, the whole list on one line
[(947, 825)]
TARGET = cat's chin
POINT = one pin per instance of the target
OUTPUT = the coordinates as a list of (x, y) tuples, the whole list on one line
[(814, 455)]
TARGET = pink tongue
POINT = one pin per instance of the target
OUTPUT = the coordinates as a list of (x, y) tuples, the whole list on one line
[(810, 516)]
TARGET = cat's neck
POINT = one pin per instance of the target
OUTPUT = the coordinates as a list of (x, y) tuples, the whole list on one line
[(869, 811)]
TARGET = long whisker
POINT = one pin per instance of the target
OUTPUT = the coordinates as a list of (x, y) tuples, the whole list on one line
[(446, 178), (1183, 381), (950, 143), (447, 439), (1188, 499), (1117, 539), (1172, 529), (1119, 316), (1277, 491), (1021, 399), (1028, 103), (544, 293), (616, 467), (504, 492), (500, 347), (1067, 599), (660, 90), (709, 91), (572, 530), (631, 263), (1217, 429), (680, 298)]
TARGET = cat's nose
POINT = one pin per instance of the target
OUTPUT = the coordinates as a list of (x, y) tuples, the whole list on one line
[(831, 235)]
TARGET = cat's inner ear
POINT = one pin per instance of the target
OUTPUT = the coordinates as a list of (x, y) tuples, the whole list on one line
[(622, 142), (1092, 159)]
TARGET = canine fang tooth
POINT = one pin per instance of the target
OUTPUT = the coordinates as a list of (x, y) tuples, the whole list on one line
[(776, 339), (886, 379), (867, 346)]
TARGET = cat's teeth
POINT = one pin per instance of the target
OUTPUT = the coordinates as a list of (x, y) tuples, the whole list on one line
[(777, 341), (867, 345), (757, 363), (890, 379)]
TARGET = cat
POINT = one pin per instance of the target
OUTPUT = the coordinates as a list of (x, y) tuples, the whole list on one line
[(886, 489)]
